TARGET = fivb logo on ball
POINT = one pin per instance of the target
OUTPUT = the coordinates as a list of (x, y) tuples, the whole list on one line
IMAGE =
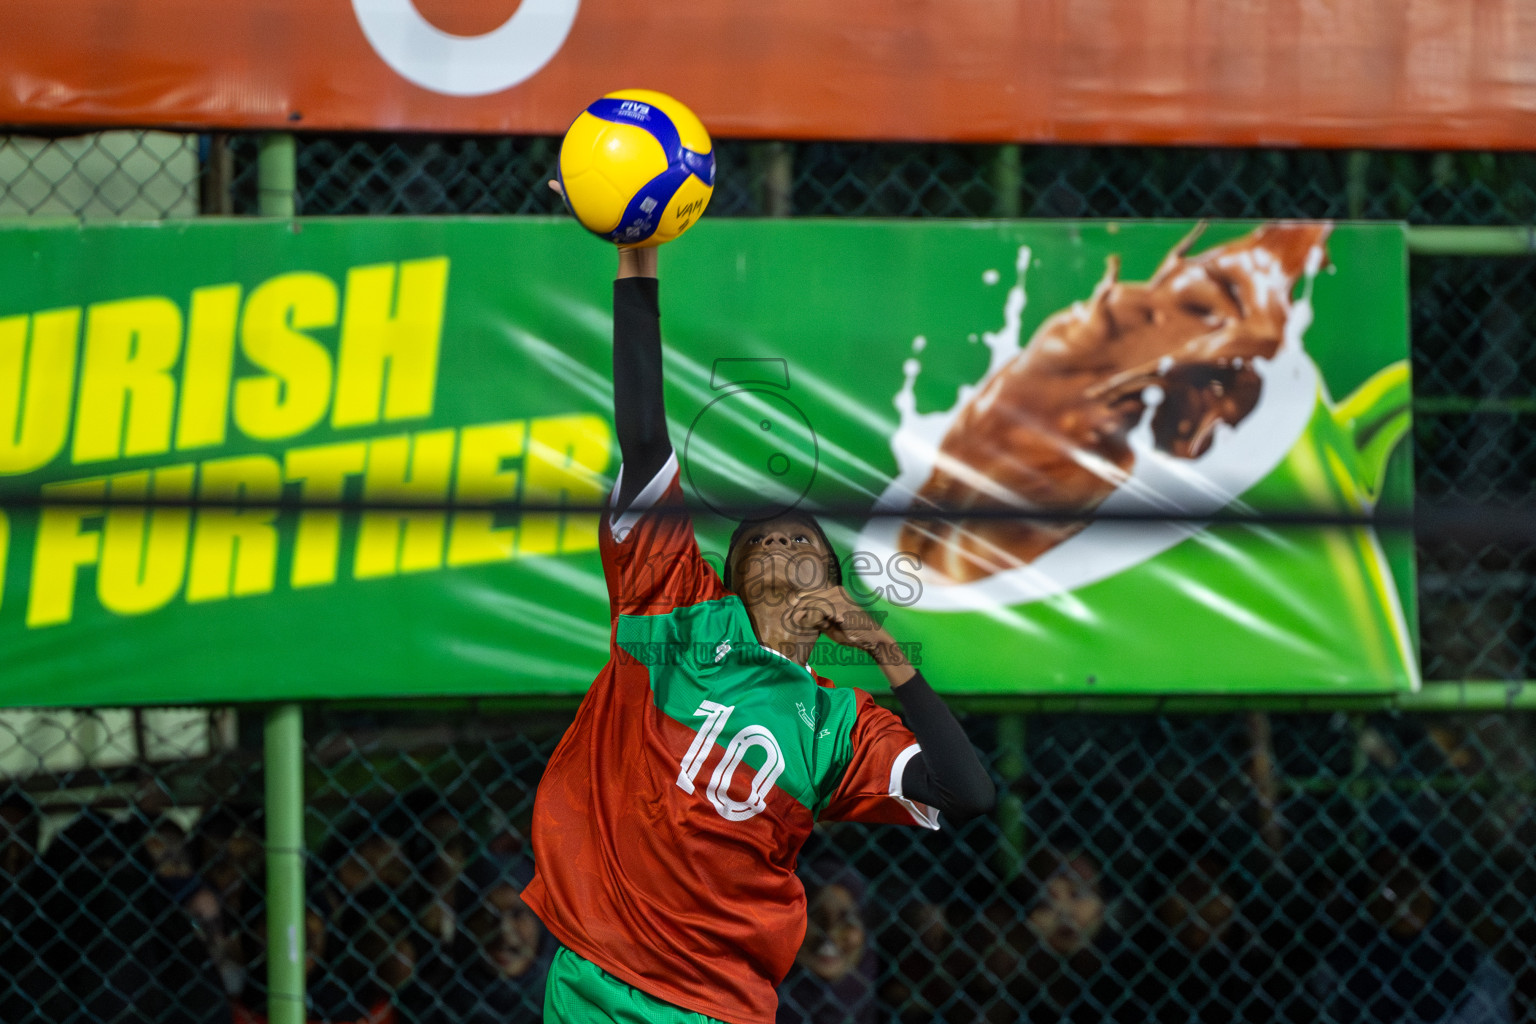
[(425, 55)]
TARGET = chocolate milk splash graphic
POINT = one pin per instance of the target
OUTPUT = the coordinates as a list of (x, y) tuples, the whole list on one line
[(1175, 395)]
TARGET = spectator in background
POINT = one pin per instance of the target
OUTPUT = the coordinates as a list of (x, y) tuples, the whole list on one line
[(167, 974), (228, 845), (1054, 944), (369, 958), (1206, 962), (510, 818), (495, 969), (171, 856), (1403, 961), (368, 892), (833, 977), (369, 851), (68, 878), (437, 845), (928, 958), (124, 948)]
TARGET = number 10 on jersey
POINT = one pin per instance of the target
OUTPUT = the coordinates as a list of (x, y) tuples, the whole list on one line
[(749, 736)]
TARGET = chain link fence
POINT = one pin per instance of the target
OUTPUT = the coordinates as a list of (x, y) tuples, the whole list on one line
[(107, 176), (1231, 867), (1234, 867), (1223, 867), (123, 833)]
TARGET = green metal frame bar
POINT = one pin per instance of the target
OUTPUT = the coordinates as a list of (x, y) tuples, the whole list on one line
[(1441, 698), (1472, 241), (1447, 405), (283, 734)]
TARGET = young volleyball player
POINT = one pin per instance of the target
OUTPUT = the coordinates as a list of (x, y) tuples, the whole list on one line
[(667, 824)]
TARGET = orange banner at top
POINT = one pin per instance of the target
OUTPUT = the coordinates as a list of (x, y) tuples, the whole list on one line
[(1324, 73)]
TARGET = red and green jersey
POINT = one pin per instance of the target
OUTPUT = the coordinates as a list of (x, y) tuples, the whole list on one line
[(667, 824)]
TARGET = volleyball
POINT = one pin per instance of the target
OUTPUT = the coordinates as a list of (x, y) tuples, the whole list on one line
[(637, 167)]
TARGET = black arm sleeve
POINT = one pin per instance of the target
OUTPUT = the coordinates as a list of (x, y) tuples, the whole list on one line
[(946, 774), (639, 413)]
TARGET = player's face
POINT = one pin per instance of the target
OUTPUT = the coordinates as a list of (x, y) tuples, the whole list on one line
[(779, 555), (834, 935)]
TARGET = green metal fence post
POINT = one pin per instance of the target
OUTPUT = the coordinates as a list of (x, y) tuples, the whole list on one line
[(283, 737), (775, 164), (1356, 170), (1011, 765), (1007, 175), (284, 766), (276, 175)]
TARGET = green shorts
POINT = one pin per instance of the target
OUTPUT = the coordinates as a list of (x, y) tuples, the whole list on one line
[(580, 992)]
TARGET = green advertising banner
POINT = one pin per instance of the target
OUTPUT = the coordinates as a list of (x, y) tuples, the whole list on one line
[(334, 423)]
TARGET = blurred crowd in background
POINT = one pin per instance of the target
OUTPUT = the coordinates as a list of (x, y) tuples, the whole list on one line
[(131, 916), (1218, 913)]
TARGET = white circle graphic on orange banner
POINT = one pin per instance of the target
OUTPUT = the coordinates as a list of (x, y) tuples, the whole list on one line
[(453, 65)]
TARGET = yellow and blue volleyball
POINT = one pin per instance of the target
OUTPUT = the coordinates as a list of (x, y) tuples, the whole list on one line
[(637, 168)]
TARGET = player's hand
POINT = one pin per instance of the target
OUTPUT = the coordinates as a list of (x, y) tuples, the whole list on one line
[(633, 260), (637, 262), (831, 612)]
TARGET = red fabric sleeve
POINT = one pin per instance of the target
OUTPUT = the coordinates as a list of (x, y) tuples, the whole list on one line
[(651, 559), (870, 789)]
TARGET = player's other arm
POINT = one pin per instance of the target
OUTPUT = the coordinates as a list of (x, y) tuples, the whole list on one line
[(639, 411), (946, 773)]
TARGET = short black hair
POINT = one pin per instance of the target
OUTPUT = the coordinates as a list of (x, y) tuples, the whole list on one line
[(834, 566)]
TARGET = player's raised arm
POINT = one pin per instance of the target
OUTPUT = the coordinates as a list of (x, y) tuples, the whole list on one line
[(639, 411), (652, 563)]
